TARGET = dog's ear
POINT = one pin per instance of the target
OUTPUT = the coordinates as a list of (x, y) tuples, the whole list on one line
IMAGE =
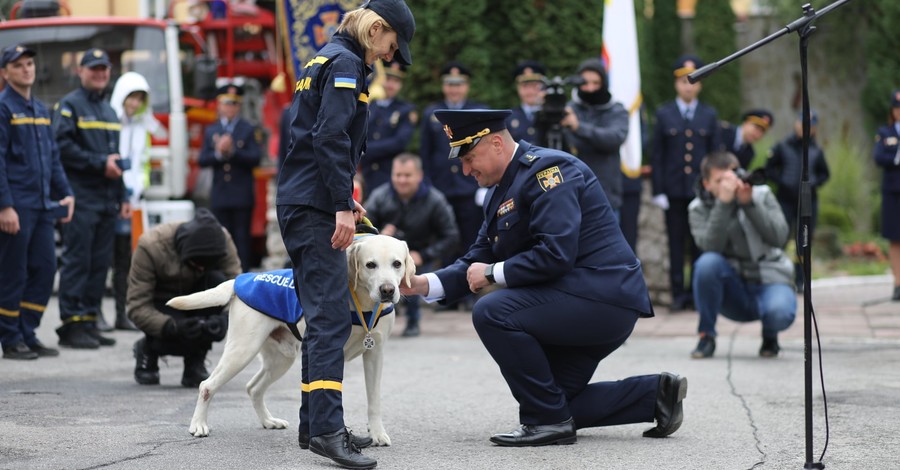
[(410, 267), (353, 264)]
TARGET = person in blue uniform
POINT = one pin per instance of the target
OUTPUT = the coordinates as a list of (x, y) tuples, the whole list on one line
[(316, 211), (739, 139), (392, 122), (231, 148), (686, 130), (446, 175), (32, 184), (529, 76), (568, 289), (87, 133), (887, 156)]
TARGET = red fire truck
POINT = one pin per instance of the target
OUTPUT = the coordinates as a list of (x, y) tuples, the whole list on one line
[(182, 60)]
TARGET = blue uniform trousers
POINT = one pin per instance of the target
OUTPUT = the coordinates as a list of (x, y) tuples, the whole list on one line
[(27, 267), (88, 242), (322, 271), (237, 221), (548, 344), (679, 233)]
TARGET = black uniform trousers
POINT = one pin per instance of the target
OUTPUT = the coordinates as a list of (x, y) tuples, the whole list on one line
[(237, 221), (679, 232), (322, 271), (87, 254), (27, 267), (548, 344)]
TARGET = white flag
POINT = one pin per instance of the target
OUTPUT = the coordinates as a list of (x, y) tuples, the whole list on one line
[(620, 51)]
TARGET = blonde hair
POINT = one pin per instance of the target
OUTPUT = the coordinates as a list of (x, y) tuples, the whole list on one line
[(357, 24)]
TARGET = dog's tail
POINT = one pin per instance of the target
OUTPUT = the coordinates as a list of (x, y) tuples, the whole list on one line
[(215, 297)]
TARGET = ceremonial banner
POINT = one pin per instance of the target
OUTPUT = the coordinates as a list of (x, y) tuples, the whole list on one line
[(620, 51), (307, 25)]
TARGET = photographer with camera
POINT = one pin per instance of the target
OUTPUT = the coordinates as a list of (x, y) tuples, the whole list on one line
[(595, 127), (743, 273), (172, 259)]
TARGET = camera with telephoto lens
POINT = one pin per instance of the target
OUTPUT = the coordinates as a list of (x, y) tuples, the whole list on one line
[(553, 110), (753, 178)]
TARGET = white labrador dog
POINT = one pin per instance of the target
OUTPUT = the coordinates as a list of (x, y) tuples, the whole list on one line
[(376, 266)]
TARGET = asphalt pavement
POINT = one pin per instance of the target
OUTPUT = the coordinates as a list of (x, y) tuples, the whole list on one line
[(444, 396)]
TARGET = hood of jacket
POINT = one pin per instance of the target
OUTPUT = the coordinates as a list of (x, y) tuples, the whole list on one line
[(127, 84)]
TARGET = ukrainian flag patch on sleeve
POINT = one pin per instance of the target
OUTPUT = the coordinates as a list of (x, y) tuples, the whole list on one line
[(344, 80)]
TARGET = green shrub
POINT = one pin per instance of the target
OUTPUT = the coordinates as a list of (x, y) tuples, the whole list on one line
[(850, 193)]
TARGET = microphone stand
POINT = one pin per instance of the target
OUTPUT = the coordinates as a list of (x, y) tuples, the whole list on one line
[(804, 27)]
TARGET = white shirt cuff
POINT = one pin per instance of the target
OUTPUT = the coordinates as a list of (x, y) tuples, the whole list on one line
[(435, 288), (499, 276)]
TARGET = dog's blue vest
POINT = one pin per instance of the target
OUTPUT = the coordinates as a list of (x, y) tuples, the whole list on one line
[(272, 293)]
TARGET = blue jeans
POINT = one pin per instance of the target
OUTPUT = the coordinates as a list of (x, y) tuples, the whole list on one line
[(718, 288)]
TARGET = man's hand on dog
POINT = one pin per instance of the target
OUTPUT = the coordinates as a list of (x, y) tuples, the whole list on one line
[(418, 286)]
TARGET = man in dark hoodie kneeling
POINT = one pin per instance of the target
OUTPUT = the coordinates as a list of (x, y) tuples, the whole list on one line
[(174, 259)]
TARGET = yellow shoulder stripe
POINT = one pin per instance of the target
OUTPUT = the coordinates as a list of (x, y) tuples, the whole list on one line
[(318, 60)]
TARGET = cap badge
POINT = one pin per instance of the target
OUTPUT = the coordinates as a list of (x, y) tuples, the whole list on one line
[(98, 54), (20, 49)]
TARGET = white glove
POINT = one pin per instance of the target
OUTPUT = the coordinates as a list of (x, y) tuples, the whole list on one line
[(661, 201)]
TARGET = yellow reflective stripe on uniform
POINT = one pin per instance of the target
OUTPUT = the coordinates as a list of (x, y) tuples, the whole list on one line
[(9, 313), (321, 385), (364, 98), (78, 318), (66, 113), (107, 126), (30, 120), (31, 306), (318, 60)]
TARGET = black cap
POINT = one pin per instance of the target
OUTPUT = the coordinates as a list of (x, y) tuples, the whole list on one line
[(465, 127), (455, 73), (895, 99), (686, 64), (530, 71), (761, 117), (12, 54), (395, 69), (398, 16), (230, 92), (94, 57)]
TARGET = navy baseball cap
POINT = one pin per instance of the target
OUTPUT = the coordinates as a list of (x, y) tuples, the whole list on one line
[(813, 117), (12, 54), (398, 16), (465, 127), (94, 57)]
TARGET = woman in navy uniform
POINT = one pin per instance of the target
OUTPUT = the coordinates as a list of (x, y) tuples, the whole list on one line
[(686, 130), (573, 289), (32, 182), (887, 156), (317, 213), (391, 125), (529, 85)]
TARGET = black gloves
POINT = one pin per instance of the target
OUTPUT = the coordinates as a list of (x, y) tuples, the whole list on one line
[(211, 328)]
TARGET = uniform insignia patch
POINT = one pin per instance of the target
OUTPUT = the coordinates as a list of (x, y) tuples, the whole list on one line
[(530, 157), (344, 81), (506, 208), (549, 178)]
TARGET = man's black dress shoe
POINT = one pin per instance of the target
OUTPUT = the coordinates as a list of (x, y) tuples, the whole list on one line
[(19, 351), (361, 442), (669, 410), (538, 435), (338, 446)]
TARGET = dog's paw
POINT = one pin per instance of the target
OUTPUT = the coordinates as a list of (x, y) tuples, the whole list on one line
[(380, 438), (199, 430), (275, 423)]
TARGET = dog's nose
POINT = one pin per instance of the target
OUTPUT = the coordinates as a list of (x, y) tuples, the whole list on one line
[(387, 293)]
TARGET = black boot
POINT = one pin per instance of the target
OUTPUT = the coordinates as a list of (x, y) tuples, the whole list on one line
[(94, 331), (146, 369), (75, 335), (361, 442), (338, 446), (194, 371)]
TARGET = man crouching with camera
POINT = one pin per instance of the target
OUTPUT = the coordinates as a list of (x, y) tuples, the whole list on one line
[(743, 273), (175, 259)]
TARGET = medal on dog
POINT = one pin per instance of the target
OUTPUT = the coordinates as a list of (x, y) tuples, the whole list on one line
[(368, 341)]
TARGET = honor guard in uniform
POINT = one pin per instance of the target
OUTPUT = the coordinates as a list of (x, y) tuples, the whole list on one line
[(887, 156), (739, 139), (446, 175), (570, 289), (34, 193), (529, 77), (231, 148), (87, 132), (317, 213), (391, 125), (686, 130)]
